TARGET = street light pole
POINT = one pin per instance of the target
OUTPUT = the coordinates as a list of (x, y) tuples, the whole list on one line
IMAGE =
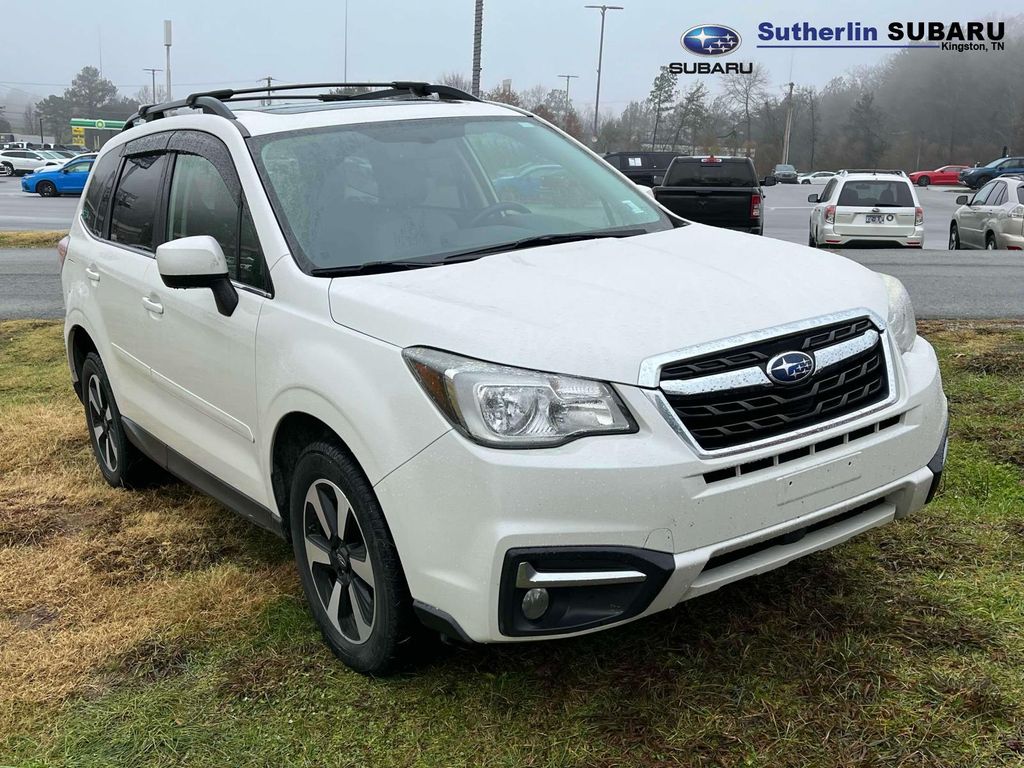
[(600, 55), (345, 61), (167, 65), (478, 31), (567, 102), (152, 71)]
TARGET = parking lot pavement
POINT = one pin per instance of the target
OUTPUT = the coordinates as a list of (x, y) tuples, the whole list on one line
[(23, 211), (787, 212), (943, 284), (29, 284)]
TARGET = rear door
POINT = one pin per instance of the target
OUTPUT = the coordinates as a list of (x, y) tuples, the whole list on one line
[(992, 211), (970, 218), (873, 208)]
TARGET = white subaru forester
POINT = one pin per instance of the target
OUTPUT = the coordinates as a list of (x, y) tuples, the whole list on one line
[(481, 381)]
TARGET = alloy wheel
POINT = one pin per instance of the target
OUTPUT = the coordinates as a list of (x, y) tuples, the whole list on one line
[(954, 239), (339, 561), (101, 420), (6, 169)]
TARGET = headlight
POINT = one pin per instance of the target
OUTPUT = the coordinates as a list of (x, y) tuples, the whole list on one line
[(901, 322), (507, 407)]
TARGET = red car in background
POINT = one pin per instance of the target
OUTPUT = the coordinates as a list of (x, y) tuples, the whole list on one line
[(947, 174)]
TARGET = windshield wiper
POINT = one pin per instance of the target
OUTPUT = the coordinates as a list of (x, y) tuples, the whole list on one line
[(539, 240), (371, 268)]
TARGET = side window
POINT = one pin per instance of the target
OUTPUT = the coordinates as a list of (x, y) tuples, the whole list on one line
[(136, 200), (826, 194), (1020, 194), (983, 194), (97, 193), (998, 196), (202, 204), (79, 167)]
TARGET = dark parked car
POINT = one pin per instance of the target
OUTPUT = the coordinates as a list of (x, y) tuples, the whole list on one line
[(721, 191), (647, 168), (785, 174), (979, 177)]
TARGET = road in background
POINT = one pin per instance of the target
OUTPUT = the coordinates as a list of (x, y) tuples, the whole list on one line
[(787, 212), (943, 284), (23, 211)]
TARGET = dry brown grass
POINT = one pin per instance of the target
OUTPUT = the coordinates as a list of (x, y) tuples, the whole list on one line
[(30, 239)]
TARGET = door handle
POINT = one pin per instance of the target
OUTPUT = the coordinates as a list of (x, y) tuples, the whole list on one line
[(92, 273), (152, 305)]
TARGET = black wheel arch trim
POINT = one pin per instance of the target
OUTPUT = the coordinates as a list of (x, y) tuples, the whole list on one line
[(190, 472), (440, 621)]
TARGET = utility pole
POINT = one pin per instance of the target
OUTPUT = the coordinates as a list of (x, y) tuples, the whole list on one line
[(789, 125), (167, 65), (153, 72), (478, 32), (41, 131), (568, 106), (267, 101), (345, 60), (600, 55)]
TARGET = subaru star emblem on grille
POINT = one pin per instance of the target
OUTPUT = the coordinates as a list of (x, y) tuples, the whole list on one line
[(790, 367)]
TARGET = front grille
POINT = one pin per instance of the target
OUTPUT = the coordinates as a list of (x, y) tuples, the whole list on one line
[(732, 417)]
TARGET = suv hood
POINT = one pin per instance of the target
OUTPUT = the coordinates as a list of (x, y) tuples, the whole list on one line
[(599, 308)]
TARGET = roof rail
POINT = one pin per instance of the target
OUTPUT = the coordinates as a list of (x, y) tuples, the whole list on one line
[(215, 102), (873, 170)]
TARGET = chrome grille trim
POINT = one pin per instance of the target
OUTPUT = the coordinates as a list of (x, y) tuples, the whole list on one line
[(844, 349)]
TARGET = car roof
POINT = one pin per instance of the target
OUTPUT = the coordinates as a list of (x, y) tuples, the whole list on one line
[(869, 176)]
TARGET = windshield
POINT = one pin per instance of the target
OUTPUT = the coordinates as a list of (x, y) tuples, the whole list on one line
[(694, 173), (877, 194), (785, 169), (424, 189), (996, 162)]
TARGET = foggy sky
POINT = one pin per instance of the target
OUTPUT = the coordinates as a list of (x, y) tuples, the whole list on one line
[(225, 42)]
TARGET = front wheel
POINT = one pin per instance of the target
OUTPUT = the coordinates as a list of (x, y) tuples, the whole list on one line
[(347, 560), (6, 169), (46, 189), (954, 238), (924, 181)]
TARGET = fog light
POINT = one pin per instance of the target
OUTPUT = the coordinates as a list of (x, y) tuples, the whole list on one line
[(535, 603)]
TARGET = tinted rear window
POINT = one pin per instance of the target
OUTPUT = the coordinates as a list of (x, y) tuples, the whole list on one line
[(97, 195), (877, 193), (135, 201), (728, 173)]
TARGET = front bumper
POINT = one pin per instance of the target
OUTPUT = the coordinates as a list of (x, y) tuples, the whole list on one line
[(457, 510)]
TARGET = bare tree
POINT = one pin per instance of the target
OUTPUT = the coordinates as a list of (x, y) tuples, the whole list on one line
[(746, 92), (456, 80)]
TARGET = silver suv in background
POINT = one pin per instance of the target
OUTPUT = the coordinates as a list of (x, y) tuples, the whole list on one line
[(992, 218), (866, 207)]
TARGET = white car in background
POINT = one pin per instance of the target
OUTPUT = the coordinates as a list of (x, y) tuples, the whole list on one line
[(508, 420), (865, 207), (992, 218), (818, 177), (18, 162)]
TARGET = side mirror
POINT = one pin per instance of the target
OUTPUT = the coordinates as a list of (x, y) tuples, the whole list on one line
[(649, 191), (770, 181), (962, 199), (813, 199), (198, 262)]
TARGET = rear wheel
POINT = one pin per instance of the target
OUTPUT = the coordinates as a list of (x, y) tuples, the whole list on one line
[(347, 560), (46, 189), (120, 462), (954, 238), (924, 181), (810, 239), (990, 242)]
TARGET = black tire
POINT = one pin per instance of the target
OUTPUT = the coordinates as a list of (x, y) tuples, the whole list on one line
[(811, 242), (954, 237), (120, 462), (6, 169), (46, 189), (990, 242), (924, 181), (352, 574)]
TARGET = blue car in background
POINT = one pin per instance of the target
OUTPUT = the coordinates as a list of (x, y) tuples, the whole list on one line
[(976, 178), (68, 179)]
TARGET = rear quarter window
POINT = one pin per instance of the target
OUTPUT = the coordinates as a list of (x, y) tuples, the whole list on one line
[(97, 193)]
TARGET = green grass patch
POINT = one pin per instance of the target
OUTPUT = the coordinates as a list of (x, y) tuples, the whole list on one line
[(30, 239), (176, 635)]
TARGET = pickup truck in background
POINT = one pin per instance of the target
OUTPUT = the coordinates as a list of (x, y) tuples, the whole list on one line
[(644, 168), (720, 191)]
